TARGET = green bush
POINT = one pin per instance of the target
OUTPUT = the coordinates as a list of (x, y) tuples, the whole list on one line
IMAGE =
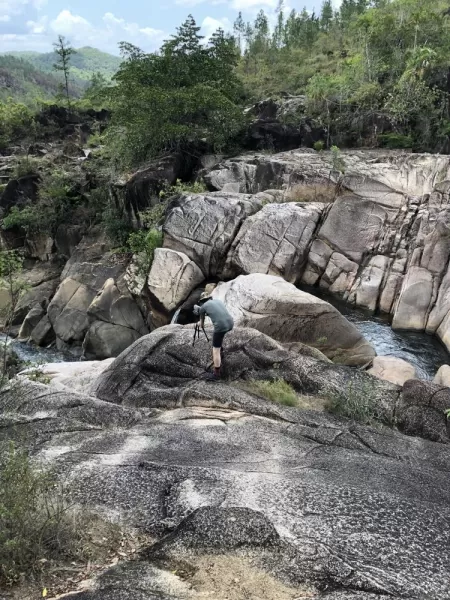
[(16, 121), (180, 187), (58, 203), (336, 159), (319, 146), (36, 523), (277, 391), (144, 244), (25, 166), (396, 140)]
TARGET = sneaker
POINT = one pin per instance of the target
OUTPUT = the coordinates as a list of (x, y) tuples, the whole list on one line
[(210, 377)]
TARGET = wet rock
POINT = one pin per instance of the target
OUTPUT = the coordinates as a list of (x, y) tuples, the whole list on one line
[(31, 320), (277, 308), (442, 377), (392, 369)]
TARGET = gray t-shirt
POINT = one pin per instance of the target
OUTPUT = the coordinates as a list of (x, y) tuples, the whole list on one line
[(219, 315)]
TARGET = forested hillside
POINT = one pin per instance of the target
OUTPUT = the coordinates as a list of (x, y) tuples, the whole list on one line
[(373, 67), (84, 63), (28, 76), (20, 80)]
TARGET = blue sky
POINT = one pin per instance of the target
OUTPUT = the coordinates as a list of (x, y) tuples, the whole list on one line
[(34, 24)]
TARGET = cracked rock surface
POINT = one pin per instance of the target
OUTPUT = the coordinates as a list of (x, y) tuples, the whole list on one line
[(315, 502)]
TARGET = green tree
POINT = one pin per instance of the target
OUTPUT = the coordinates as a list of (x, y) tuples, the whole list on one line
[(326, 15), (95, 92), (173, 100), (64, 53), (239, 28)]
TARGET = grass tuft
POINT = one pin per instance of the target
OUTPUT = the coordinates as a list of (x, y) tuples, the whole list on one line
[(277, 391)]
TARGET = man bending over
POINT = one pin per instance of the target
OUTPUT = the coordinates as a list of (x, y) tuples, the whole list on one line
[(222, 322)]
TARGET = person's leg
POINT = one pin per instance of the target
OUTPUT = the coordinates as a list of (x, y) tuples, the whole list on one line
[(217, 358), (217, 347)]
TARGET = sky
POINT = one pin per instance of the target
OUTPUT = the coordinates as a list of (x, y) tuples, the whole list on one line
[(35, 24)]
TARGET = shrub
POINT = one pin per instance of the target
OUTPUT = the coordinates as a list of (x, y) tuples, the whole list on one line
[(25, 166), (356, 403), (16, 120), (180, 187), (277, 391), (319, 146), (116, 226), (144, 243), (395, 140), (58, 202), (36, 524), (336, 159)]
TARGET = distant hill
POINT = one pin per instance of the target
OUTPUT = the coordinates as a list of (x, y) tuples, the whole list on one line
[(26, 76), (84, 63), (22, 81)]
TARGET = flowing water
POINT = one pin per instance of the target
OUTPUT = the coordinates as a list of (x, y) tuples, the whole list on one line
[(34, 355), (424, 351)]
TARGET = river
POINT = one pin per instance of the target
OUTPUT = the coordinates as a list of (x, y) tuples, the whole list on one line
[(424, 351)]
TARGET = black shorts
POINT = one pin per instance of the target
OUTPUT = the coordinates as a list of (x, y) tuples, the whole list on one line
[(218, 338)]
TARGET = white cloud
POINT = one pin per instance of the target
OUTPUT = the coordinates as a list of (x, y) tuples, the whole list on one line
[(79, 32), (211, 25), (71, 25), (39, 26), (12, 8)]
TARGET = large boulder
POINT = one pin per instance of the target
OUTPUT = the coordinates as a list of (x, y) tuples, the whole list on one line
[(143, 187), (203, 226), (393, 369), (68, 310), (115, 323), (275, 241), (104, 340), (92, 292), (277, 308), (442, 377), (173, 276), (166, 368), (384, 244)]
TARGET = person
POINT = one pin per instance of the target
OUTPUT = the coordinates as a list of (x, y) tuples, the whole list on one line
[(223, 323)]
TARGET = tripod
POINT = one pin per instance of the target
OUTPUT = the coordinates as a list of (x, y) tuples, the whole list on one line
[(197, 333)]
